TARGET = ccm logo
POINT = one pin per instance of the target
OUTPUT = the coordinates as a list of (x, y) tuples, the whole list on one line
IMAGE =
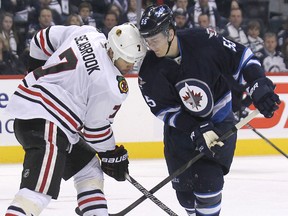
[(262, 122), (115, 160)]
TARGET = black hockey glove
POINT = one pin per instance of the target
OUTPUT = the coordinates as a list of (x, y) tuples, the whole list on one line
[(205, 138), (243, 112), (115, 163), (264, 97)]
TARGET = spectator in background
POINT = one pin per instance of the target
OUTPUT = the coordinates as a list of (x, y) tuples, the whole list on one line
[(203, 21), (256, 43), (234, 30), (285, 52), (73, 19), (123, 4), (205, 7), (180, 19), (271, 59), (180, 4), (4, 67), (110, 20), (55, 8), (9, 64), (132, 12), (117, 9), (282, 34), (184, 5), (85, 11), (45, 19), (8, 34)]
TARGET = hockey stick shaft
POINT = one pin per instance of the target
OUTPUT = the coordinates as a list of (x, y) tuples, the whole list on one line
[(149, 195), (267, 140), (187, 165)]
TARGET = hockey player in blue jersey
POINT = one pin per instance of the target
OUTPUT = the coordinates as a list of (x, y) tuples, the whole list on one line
[(186, 80)]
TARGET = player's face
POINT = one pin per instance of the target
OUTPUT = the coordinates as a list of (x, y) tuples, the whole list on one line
[(123, 66), (158, 43)]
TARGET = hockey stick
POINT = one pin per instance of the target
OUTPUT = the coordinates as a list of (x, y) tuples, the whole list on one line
[(267, 140), (236, 127), (149, 195), (146, 193)]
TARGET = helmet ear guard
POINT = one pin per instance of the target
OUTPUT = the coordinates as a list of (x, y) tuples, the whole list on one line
[(126, 43)]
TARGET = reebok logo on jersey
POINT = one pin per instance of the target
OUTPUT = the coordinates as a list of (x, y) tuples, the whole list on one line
[(87, 53)]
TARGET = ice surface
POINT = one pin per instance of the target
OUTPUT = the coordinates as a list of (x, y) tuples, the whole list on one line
[(255, 186)]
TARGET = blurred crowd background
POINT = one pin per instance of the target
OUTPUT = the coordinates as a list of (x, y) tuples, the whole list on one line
[(258, 24)]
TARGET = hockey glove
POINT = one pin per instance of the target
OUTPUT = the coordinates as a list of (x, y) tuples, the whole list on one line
[(205, 138), (115, 163), (264, 97)]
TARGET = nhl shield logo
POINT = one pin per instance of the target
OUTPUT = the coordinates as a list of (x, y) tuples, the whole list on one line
[(196, 96)]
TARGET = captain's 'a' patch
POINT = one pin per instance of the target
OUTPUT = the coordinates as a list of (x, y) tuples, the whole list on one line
[(196, 96)]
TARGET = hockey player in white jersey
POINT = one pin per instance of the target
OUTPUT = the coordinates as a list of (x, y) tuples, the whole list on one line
[(74, 89)]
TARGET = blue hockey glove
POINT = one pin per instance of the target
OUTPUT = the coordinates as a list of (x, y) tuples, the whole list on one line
[(264, 97), (205, 138), (115, 163)]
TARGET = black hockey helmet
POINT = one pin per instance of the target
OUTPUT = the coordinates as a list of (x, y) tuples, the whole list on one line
[(155, 19)]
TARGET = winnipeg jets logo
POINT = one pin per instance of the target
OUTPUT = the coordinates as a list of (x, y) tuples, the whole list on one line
[(192, 98), (211, 32), (196, 96)]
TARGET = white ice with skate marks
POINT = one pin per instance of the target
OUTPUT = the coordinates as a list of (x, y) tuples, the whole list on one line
[(255, 186)]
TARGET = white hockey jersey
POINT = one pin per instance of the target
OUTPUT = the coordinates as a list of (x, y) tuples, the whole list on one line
[(78, 88)]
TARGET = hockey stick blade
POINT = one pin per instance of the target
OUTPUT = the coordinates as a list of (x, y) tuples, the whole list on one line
[(236, 127), (187, 165)]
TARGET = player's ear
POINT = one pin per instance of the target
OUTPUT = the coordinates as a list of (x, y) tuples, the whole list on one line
[(171, 34)]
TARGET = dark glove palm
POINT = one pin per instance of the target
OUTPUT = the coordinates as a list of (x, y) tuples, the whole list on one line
[(263, 96), (115, 163)]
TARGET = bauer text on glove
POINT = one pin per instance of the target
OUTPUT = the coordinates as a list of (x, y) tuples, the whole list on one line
[(115, 163)]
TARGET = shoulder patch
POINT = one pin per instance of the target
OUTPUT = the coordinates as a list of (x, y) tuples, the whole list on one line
[(211, 32), (122, 84), (196, 96)]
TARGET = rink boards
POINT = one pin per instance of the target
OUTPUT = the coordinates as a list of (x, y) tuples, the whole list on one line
[(141, 133)]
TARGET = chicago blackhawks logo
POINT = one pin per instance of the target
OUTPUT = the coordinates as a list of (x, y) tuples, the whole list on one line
[(122, 84), (196, 96)]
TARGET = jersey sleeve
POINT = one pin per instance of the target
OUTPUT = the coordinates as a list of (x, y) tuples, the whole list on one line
[(242, 64), (105, 101), (46, 41)]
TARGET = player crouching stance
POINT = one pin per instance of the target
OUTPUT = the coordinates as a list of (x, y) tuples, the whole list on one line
[(183, 79), (75, 86)]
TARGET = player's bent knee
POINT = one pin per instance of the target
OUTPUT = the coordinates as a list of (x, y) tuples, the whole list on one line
[(31, 202), (208, 203), (90, 177)]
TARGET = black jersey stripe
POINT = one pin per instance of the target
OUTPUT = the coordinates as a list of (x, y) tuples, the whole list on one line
[(75, 117), (96, 129), (48, 40), (51, 112), (36, 41)]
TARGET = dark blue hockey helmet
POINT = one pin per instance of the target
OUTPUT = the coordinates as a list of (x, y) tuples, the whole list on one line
[(155, 19)]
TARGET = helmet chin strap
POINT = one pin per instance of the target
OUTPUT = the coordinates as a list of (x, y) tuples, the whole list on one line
[(169, 44)]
